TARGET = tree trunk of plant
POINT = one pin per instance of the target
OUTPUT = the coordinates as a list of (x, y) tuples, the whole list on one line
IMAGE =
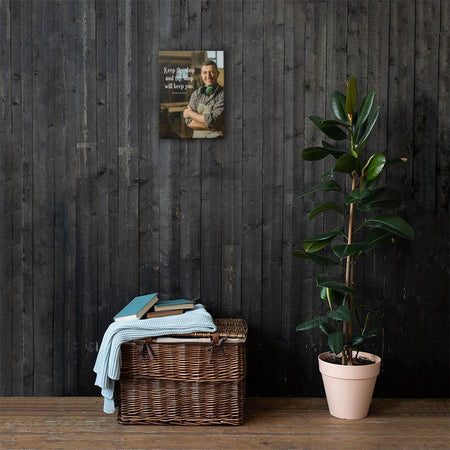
[(349, 273)]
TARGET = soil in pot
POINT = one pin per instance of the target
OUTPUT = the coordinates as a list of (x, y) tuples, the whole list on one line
[(359, 361)]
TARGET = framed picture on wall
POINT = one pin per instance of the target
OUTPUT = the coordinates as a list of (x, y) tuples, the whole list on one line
[(191, 94)]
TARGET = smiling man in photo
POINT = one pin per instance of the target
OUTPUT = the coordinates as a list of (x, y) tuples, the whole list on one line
[(205, 112)]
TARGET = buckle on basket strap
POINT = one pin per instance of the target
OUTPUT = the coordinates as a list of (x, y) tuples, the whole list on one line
[(216, 343), (145, 346)]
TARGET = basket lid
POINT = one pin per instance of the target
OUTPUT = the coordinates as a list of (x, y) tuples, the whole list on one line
[(229, 328)]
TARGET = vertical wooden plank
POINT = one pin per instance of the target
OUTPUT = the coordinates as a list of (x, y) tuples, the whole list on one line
[(149, 231), (6, 193), (272, 159), (22, 275), (65, 207), (400, 137), (442, 189), (443, 130), (107, 170), (43, 196), (109, 261), (252, 185), (231, 295), (128, 245), (190, 176), (425, 94), (372, 279), (315, 100), (421, 207), (211, 206), (169, 166), (357, 44), (293, 114), (86, 214)]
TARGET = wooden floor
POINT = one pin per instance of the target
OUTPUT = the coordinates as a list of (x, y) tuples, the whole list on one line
[(272, 423)]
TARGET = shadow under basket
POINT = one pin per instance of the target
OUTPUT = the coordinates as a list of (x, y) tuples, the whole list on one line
[(195, 379)]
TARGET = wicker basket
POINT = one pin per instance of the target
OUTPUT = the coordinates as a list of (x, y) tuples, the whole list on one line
[(196, 379)]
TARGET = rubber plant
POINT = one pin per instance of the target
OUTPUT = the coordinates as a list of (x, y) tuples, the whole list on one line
[(365, 226)]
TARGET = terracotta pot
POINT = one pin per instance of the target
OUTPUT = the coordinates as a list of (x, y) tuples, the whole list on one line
[(349, 389)]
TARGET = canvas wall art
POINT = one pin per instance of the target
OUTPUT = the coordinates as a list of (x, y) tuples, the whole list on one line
[(191, 94)]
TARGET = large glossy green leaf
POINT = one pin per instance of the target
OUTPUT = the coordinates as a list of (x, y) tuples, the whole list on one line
[(317, 153), (376, 164), (332, 122), (371, 120), (334, 151), (343, 250), (370, 184), (314, 153), (318, 259), (336, 342), (320, 241), (366, 106), (356, 340), (378, 238), (341, 314), (358, 195), (371, 334), (311, 323), (338, 105), (329, 185), (335, 297), (395, 224), (325, 280), (347, 164), (386, 199), (331, 130), (326, 328), (326, 206), (375, 198), (352, 96)]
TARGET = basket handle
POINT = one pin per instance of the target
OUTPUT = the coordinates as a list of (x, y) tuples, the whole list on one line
[(145, 346), (216, 343)]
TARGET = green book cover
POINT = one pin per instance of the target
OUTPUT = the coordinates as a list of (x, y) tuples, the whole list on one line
[(137, 307)]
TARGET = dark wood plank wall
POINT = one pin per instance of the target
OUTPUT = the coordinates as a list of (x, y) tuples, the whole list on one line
[(96, 209)]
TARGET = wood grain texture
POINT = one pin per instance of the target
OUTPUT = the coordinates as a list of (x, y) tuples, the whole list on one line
[(252, 181), (231, 294), (97, 209), (22, 275), (6, 193), (43, 197), (270, 423)]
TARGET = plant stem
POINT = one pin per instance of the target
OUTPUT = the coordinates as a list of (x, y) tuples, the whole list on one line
[(349, 272)]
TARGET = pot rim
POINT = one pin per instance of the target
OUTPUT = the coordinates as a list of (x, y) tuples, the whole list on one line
[(350, 372)]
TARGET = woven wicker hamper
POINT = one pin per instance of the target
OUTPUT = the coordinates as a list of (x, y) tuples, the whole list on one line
[(195, 379)]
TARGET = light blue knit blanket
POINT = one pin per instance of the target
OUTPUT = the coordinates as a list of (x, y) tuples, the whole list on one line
[(108, 363)]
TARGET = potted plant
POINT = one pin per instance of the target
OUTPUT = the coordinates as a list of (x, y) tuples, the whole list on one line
[(365, 226)]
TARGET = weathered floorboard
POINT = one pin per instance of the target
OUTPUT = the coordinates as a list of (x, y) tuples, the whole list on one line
[(270, 423)]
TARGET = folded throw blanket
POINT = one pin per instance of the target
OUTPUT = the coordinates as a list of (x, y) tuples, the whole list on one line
[(107, 365)]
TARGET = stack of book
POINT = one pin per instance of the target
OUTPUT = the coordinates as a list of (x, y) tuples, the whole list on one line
[(170, 308), (150, 306)]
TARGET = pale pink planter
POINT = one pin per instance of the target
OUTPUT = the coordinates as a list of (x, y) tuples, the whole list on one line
[(349, 389)]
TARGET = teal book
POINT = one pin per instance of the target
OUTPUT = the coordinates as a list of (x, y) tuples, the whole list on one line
[(137, 307), (167, 305)]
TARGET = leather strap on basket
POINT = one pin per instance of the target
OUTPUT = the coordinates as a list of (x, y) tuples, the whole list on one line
[(216, 343), (145, 346)]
